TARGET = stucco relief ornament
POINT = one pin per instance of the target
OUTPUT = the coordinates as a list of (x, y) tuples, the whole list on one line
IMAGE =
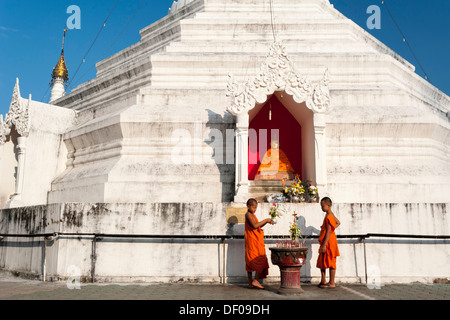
[(4, 131), (18, 114), (277, 73), (321, 95)]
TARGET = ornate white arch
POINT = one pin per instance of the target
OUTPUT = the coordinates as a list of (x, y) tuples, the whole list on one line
[(277, 73)]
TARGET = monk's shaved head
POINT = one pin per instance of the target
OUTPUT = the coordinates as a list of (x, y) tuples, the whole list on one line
[(327, 201), (251, 202)]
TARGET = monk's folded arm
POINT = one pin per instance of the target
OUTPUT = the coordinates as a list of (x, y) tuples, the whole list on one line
[(255, 224)]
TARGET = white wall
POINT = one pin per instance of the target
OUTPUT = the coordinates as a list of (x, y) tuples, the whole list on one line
[(153, 260)]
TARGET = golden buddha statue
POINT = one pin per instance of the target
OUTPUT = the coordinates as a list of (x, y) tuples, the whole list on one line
[(275, 165)]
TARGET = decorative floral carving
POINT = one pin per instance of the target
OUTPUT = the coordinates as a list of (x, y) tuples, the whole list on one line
[(4, 131), (18, 114), (321, 95), (277, 73)]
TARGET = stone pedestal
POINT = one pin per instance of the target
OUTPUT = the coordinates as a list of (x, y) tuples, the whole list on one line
[(275, 175)]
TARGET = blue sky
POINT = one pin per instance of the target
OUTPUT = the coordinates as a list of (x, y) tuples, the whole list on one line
[(31, 34)]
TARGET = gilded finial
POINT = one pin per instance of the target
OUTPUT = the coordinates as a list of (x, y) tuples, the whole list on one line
[(61, 71)]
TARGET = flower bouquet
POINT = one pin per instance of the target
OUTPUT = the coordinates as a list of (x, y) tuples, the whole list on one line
[(295, 191), (312, 191), (275, 212)]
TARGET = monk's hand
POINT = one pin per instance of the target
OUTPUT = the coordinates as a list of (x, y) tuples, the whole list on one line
[(322, 249)]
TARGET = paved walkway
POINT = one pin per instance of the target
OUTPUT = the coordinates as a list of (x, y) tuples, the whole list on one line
[(13, 288)]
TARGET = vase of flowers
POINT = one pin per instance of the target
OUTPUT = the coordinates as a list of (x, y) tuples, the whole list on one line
[(311, 191), (296, 191), (275, 212)]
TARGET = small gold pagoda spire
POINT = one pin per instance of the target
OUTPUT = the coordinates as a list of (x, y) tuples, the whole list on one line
[(60, 71)]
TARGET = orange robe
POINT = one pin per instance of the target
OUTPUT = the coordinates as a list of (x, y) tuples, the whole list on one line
[(255, 251), (328, 259)]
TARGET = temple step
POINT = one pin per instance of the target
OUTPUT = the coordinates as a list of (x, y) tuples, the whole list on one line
[(261, 189)]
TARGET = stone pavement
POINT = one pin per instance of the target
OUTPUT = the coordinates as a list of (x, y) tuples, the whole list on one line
[(14, 288)]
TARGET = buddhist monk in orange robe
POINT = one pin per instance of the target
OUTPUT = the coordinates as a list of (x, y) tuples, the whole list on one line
[(328, 250), (255, 251)]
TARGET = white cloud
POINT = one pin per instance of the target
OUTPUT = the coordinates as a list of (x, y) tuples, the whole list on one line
[(8, 29)]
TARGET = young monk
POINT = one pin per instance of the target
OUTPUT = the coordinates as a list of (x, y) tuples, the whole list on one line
[(255, 251), (328, 250)]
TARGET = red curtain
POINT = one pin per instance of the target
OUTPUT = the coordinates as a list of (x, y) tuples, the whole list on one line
[(289, 136)]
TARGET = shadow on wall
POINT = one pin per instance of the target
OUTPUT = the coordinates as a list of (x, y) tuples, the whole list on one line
[(235, 257), (9, 162), (34, 249), (307, 231), (220, 139)]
